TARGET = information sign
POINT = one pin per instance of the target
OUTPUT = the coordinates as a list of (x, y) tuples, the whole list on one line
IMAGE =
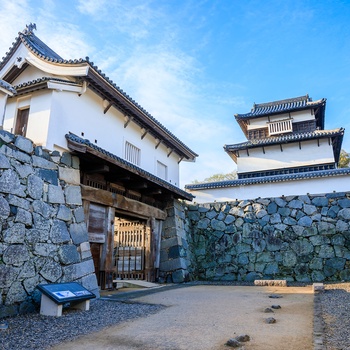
[(65, 292)]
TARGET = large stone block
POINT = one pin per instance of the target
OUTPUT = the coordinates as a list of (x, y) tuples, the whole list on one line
[(79, 270), (44, 249), (51, 271), (64, 213), (174, 264), (10, 183), (68, 254), (49, 176), (15, 294), (69, 176), (55, 195), (73, 195), (8, 275), (90, 283), (15, 234), (43, 163), (42, 208), (24, 144), (24, 217), (78, 233), (79, 215), (59, 232)]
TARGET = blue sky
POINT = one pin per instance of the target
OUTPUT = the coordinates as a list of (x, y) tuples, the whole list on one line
[(193, 64)]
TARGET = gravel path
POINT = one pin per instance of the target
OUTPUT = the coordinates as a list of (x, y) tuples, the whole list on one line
[(335, 303), (33, 331)]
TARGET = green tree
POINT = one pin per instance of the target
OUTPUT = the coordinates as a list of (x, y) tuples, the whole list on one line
[(219, 177), (344, 159)]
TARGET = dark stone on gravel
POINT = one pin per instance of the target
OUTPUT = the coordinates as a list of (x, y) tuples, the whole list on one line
[(243, 338), (270, 320), (233, 343), (267, 310), (275, 296), (275, 307)]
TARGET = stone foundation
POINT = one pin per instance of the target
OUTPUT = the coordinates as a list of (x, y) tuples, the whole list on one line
[(297, 238), (43, 233)]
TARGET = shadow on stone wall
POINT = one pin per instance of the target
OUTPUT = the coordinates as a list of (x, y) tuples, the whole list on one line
[(297, 238), (43, 232)]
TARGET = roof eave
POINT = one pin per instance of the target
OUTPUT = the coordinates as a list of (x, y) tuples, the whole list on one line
[(141, 117), (85, 148)]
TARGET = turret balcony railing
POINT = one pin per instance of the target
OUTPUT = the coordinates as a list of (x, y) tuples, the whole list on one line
[(280, 126)]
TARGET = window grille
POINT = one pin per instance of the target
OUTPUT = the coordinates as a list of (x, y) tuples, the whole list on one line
[(280, 126), (258, 134), (132, 153)]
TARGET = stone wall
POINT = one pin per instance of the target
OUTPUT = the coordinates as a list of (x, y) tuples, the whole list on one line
[(305, 238), (175, 258), (43, 235)]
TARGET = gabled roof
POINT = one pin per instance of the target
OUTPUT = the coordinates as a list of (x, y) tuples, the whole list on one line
[(99, 83), (336, 135), (284, 106), (84, 146), (269, 179)]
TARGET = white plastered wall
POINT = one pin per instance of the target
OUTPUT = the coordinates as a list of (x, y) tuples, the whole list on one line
[(307, 153), (300, 116), (274, 189), (54, 113)]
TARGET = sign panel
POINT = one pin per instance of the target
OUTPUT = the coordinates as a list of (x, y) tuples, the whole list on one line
[(65, 292), (97, 237)]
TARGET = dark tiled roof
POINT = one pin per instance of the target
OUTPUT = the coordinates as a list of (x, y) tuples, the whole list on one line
[(40, 49), (285, 138), (7, 86), (287, 105), (133, 168), (269, 179), (41, 80)]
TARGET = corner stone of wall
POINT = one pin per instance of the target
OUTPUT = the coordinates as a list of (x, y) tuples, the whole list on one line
[(174, 258), (43, 235)]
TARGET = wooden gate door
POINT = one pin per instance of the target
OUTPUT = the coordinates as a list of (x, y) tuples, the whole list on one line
[(131, 248)]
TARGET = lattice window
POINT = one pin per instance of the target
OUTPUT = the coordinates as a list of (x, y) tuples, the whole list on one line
[(306, 126), (132, 153), (258, 134), (280, 126)]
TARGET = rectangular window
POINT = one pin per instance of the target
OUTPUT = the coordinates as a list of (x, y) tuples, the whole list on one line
[(22, 122), (132, 153), (280, 126), (162, 171)]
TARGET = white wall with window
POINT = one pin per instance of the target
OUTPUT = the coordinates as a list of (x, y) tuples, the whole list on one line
[(55, 112)]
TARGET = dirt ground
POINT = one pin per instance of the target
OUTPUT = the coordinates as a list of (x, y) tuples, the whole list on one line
[(204, 317)]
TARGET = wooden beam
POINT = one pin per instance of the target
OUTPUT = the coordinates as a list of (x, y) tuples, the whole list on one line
[(180, 159), (108, 107), (144, 133), (171, 151), (127, 120), (137, 185), (158, 142), (120, 202), (100, 169)]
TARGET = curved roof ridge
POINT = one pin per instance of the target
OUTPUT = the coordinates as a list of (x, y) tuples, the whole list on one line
[(41, 50), (280, 106), (268, 179), (8, 87), (284, 101), (285, 138)]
